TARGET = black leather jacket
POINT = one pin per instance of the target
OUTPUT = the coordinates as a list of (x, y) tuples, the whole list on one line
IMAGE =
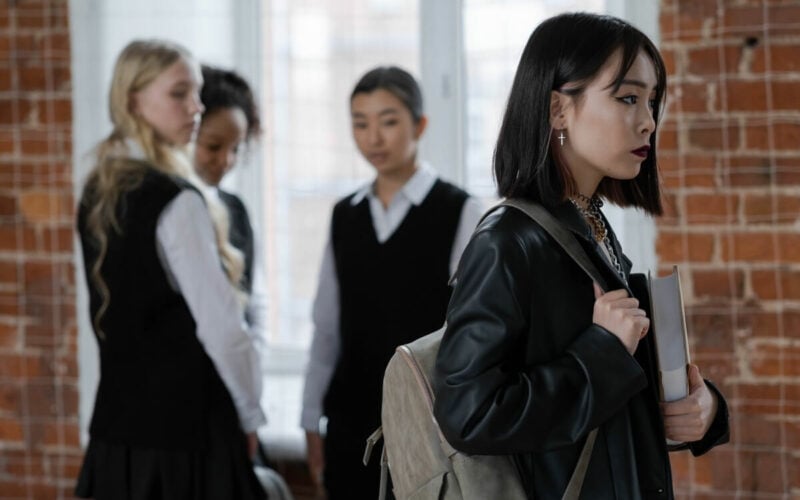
[(522, 369)]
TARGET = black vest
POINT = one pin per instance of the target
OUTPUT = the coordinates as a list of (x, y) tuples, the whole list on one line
[(390, 293), (157, 384), (240, 234)]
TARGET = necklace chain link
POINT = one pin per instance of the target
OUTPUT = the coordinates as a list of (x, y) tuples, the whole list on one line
[(591, 213)]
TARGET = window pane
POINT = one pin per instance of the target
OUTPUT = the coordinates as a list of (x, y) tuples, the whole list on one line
[(495, 32), (315, 51)]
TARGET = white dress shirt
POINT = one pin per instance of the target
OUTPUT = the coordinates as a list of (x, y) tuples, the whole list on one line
[(256, 308), (188, 250), (325, 344)]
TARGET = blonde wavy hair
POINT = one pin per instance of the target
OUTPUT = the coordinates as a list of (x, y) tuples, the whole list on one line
[(114, 174)]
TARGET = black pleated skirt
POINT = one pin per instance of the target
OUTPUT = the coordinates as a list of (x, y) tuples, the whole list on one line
[(123, 472)]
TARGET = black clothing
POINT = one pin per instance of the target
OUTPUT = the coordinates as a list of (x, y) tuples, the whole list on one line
[(523, 370), (162, 413), (240, 234), (390, 293)]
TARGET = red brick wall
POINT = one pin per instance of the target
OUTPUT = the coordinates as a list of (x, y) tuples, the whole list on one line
[(730, 156), (39, 448)]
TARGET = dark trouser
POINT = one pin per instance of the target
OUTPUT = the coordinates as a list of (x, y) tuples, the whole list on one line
[(346, 477)]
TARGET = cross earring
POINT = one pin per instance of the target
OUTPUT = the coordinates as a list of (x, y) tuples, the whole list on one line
[(561, 137)]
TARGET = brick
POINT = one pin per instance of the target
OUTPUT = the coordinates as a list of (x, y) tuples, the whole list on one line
[(787, 171), (749, 247), (790, 284), (699, 97), (698, 247), (783, 57), (784, 18), (713, 135), (765, 284), (703, 62), (792, 431), (718, 208), (40, 206), (759, 323), (756, 430), (791, 322), (724, 477), (7, 116), (765, 360), (669, 61), (32, 78), (789, 247), (745, 95), (780, 209), (10, 430), (9, 274), (785, 94), (700, 170), (694, 17), (787, 136), (756, 137), (680, 469), (719, 284), (667, 139), (710, 332), (10, 400), (743, 20), (760, 471), (9, 337)]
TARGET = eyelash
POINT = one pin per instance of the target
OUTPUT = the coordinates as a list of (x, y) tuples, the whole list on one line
[(626, 100)]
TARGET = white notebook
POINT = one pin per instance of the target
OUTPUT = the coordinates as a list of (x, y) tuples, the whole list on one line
[(669, 327)]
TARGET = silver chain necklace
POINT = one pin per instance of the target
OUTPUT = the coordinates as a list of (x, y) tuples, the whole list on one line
[(591, 213)]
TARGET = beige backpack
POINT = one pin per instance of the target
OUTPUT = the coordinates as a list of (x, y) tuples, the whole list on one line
[(422, 463)]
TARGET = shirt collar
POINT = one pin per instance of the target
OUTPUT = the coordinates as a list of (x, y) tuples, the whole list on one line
[(415, 189)]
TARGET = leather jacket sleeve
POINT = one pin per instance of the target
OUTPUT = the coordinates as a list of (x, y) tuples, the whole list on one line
[(502, 385)]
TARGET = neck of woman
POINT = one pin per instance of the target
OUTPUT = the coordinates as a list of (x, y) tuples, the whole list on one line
[(388, 184)]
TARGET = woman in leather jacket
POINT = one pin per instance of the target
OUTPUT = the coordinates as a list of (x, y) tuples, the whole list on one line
[(535, 354)]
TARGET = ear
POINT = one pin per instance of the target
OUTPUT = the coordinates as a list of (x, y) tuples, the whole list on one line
[(558, 104), (420, 127)]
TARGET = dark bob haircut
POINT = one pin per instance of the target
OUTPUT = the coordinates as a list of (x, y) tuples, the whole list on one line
[(227, 89), (395, 80), (570, 48)]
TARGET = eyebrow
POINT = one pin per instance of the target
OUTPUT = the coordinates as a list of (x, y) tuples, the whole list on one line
[(635, 83), (384, 112)]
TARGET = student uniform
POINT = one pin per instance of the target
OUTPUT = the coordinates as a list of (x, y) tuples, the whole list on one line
[(178, 374), (383, 282)]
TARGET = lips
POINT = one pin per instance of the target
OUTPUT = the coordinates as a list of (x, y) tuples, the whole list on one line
[(377, 157), (642, 152)]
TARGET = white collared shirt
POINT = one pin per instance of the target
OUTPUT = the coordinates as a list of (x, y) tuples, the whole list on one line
[(326, 341)]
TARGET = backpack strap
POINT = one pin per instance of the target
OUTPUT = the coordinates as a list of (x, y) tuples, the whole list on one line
[(573, 491), (574, 249)]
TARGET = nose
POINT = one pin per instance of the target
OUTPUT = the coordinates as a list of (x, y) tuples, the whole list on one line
[(648, 122), (195, 104), (374, 135)]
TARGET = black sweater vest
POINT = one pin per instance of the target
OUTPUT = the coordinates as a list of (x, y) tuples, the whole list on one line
[(390, 293), (157, 384), (240, 234)]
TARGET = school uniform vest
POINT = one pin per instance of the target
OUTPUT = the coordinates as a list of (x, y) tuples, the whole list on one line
[(156, 381), (390, 293), (240, 234)]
